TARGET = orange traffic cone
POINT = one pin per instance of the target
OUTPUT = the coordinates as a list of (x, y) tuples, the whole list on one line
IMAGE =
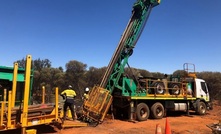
[(167, 127), (158, 129)]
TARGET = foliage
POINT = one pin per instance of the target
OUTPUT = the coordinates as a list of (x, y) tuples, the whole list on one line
[(136, 73), (21, 63), (44, 75), (157, 75), (94, 76), (213, 80), (38, 64), (77, 75), (180, 73)]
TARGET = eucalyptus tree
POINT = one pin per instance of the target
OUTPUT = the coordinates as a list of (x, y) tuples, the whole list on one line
[(75, 75), (94, 76)]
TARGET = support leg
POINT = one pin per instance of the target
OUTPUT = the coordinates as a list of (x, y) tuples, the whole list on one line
[(187, 109), (132, 110)]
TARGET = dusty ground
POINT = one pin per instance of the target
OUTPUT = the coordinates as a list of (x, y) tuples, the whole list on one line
[(180, 124)]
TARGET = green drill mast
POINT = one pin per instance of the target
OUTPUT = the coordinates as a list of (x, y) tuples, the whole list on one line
[(115, 69), (100, 97)]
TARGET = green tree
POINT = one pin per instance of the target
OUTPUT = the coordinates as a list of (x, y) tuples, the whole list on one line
[(157, 74), (135, 73), (145, 73), (180, 73), (40, 64), (75, 75), (49, 78), (94, 76), (21, 63), (213, 80), (37, 64), (44, 75)]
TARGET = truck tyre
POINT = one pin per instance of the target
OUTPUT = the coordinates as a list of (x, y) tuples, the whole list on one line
[(142, 112), (157, 111), (159, 87), (174, 89), (201, 108)]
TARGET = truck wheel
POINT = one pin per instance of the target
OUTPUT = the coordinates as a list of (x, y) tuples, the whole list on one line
[(201, 109), (159, 87), (174, 89), (157, 111), (142, 112)]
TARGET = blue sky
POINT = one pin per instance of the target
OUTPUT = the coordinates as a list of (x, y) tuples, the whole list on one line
[(178, 31)]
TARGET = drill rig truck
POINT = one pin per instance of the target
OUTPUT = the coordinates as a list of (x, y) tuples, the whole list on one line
[(141, 98)]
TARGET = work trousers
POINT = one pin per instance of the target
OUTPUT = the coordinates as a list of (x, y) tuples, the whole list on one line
[(71, 107)]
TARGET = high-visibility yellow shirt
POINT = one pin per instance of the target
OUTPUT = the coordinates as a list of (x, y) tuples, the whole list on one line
[(70, 93)]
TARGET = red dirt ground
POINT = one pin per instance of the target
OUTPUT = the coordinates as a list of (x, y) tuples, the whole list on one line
[(179, 124)]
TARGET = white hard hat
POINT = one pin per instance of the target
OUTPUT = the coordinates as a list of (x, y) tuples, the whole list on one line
[(69, 86), (87, 89)]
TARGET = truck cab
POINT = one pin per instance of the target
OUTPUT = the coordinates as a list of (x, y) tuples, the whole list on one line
[(201, 94), (202, 90)]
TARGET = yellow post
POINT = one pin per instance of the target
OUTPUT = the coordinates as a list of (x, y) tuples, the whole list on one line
[(5, 94), (14, 83), (26, 92), (2, 113), (56, 103), (9, 109), (43, 94), (3, 107)]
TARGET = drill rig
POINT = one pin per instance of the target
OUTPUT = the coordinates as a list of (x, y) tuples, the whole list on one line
[(100, 97)]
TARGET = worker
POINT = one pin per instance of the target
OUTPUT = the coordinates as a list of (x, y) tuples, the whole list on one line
[(86, 93), (69, 96)]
